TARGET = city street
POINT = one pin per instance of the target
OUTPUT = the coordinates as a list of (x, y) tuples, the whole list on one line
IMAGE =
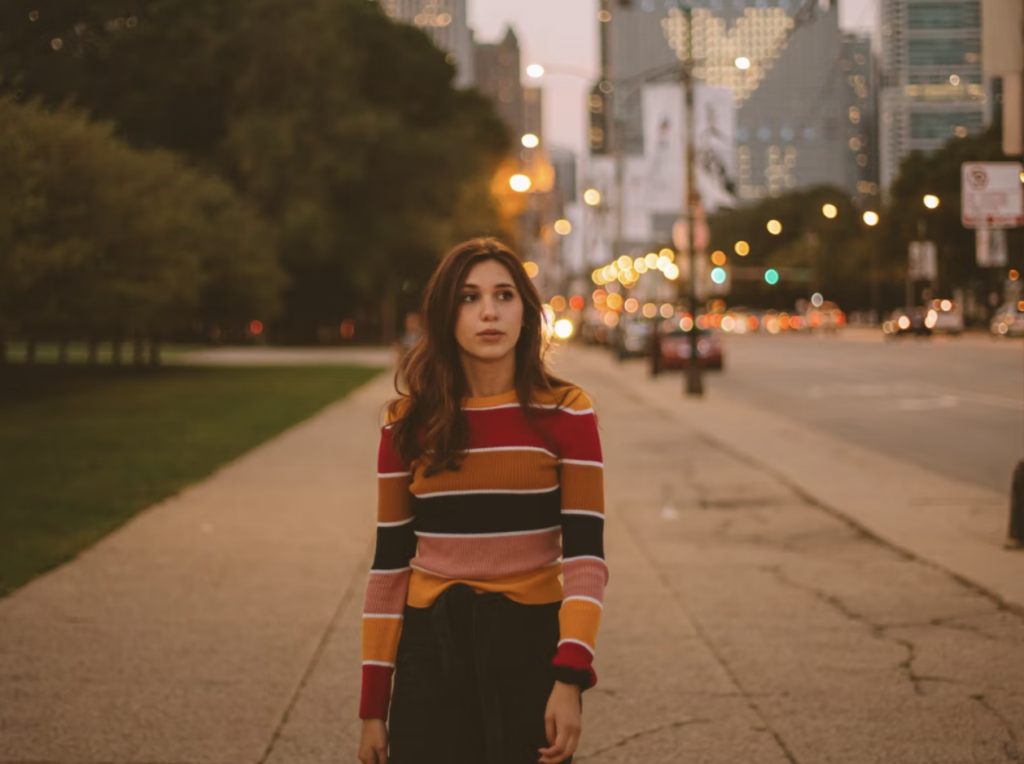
[(954, 405), (753, 614)]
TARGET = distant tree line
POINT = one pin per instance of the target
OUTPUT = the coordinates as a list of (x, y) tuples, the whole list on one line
[(180, 169), (859, 266)]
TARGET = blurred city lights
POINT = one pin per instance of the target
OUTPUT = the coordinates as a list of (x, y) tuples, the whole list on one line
[(531, 269), (650, 310), (946, 305), (774, 227), (652, 260), (348, 329), (931, 201), (563, 328), (829, 211), (672, 272), (743, 62), (640, 265), (663, 263), (535, 71), (718, 257), (563, 227), (742, 248), (686, 323), (520, 183), (531, 141), (592, 196), (577, 302), (817, 299), (625, 262), (614, 301), (558, 303), (256, 327), (611, 319), (632, 305), (669, 254), (718, 275), (1014, 275), (728, 323), (667, 311), (771, 276), (871, 218), (599, 297)]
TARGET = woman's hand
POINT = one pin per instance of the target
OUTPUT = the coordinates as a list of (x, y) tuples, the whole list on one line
[(373, 748), (562, 723)]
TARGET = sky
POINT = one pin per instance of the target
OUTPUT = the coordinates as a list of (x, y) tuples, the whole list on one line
[(564, 32)]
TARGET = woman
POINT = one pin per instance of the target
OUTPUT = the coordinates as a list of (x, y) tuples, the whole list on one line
[(490, 488)]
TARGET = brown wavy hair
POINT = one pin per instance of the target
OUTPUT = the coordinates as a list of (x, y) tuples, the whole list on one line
[(429, 423)]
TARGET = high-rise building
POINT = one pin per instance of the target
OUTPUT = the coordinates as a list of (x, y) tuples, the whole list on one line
[(933, 85), (446, 23), (497, 67), (780, 58)]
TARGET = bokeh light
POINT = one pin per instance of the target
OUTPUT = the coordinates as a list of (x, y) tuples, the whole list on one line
[(718, 257), (558, 303), (563, 227), (592, 196), (829, 211), (531, 141), (563, 328), (742, 248), (520, 183), (774, 227), (531, 269)]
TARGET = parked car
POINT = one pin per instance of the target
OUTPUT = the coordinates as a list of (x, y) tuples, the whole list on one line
[(633, 338), (675, 350), (1008, 321), (904, 321), (945, 316)]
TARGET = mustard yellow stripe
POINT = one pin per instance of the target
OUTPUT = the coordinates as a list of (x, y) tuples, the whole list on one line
[(380, 639), (394, 502), (580, 619), (582, 487), (535, 587), (493, 470)]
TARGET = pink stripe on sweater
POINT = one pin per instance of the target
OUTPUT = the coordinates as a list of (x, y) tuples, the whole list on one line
[(484, 558), (585, 578), (386, 593)]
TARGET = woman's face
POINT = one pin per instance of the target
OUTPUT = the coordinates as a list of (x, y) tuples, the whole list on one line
[(490, 313)]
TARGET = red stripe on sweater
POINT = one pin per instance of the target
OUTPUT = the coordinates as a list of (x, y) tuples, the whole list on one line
[(574, 656), (376, 696)]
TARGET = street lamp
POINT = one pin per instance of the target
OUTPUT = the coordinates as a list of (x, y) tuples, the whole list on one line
[(829, 211), (592, 197), (531, 141), (520, 183), (742, 63), (931, 201), (535, 71), (563, 227), (774, 227), (870, 218)]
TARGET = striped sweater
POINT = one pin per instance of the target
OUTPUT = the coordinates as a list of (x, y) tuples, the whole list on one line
[(524, 512)]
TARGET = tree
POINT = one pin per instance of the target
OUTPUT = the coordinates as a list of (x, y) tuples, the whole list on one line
[(100, 240)]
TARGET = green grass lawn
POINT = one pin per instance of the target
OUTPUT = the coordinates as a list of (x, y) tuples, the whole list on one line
[(84, 449)]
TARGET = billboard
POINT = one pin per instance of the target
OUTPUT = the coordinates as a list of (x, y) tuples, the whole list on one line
[(715, 148)]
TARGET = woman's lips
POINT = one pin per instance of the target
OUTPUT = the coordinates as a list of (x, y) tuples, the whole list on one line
[(490, 334)]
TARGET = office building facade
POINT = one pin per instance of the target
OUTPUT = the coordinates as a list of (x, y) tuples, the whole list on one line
[(933, 85), (791, 100)]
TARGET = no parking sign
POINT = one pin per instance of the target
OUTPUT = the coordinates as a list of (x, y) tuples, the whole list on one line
[(991, 195)]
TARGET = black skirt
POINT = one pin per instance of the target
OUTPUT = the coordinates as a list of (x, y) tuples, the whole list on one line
[(472, 680)]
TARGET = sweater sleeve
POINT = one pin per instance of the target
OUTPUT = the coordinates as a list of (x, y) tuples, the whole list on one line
[(583, 565), (389, 579)]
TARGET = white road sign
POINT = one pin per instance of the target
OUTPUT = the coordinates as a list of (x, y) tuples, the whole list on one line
[(922, 261), (991, 195)]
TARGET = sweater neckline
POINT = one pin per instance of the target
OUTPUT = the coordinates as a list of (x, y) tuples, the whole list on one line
[(491, 400)]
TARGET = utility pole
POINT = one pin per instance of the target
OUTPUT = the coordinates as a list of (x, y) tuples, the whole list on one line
[(691, 204)]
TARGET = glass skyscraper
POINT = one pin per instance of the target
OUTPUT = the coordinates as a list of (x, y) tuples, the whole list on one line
[(934, 88)]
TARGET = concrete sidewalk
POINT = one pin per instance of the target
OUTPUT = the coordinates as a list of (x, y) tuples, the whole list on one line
[(743, 621)]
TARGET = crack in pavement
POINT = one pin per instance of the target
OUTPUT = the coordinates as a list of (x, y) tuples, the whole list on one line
[(643, 733), (1011, 747), (877, 631)]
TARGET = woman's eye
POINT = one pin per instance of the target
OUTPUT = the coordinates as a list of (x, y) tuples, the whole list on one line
[(468, 297), (506, 295)]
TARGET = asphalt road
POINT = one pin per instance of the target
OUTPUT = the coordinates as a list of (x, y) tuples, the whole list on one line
[(951, 404)]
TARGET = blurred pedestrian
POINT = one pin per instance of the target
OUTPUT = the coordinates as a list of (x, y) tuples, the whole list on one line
[(490, 488)]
